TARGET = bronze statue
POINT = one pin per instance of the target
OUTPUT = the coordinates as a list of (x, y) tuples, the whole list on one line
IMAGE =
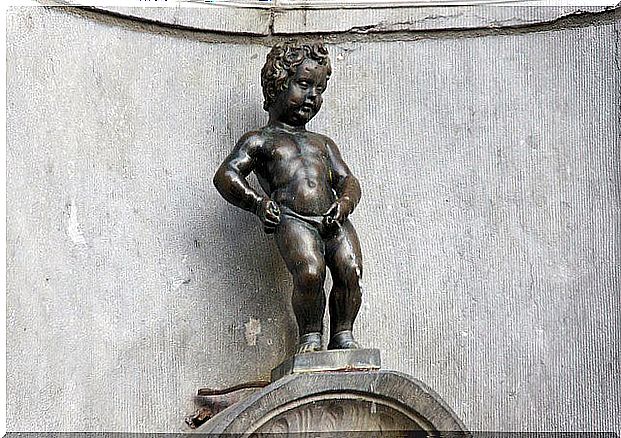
[(310, 193)]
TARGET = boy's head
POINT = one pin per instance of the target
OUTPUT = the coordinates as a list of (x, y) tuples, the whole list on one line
[(285, 63)]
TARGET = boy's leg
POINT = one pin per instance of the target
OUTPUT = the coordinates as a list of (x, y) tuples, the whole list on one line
[(302, 250), (344, 258)]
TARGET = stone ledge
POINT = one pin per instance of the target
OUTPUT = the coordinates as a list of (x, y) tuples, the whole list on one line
[(285, 17), (383, 20), (197, 16)]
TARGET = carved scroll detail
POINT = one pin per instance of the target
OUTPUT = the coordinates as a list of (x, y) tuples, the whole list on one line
[(336, 415)]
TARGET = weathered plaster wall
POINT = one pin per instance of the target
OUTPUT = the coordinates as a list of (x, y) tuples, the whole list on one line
[(490, 221)]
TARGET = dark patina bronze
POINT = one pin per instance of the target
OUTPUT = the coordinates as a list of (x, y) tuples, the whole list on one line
[(309, 194)]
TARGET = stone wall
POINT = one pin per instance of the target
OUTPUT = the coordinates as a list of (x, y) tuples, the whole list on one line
[(489, 159)]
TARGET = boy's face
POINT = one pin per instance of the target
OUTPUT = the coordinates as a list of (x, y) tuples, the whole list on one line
[(302, 99)]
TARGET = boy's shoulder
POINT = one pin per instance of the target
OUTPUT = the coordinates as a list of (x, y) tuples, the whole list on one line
[(321, 137), (253, 139)]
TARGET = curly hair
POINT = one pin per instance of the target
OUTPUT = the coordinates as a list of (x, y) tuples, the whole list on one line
[(282, 62)]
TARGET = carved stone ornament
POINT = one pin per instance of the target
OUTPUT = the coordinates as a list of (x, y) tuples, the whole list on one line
[(332, 403)]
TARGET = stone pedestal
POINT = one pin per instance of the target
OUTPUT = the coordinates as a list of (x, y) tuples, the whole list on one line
[(332, 360), (337, 392)]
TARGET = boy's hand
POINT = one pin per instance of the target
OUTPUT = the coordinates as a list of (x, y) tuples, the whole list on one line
[(339, 211), (269, 214)]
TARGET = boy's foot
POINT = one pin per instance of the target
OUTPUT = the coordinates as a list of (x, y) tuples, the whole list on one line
[(309, 342), (343, 341)]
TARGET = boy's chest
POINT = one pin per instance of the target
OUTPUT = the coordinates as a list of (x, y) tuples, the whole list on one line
[(291, 148)]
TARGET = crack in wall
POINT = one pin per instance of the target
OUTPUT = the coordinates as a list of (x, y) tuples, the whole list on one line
[(408, 25)]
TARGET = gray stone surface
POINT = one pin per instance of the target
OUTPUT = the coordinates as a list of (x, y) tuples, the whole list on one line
[(489, 222)]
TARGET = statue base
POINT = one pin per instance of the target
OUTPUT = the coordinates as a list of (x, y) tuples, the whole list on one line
[(364, 359), (337, 393)]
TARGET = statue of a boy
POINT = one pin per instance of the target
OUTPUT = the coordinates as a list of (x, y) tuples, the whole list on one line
[(310, 193)]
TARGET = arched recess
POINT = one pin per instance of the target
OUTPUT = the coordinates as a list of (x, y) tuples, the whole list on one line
[(317, 17)]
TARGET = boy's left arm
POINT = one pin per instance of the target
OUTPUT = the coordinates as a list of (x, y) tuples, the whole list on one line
[(344, 183)]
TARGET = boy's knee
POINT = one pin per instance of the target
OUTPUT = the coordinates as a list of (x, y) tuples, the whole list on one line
[(310, 277), (349, 276), (353, 271)]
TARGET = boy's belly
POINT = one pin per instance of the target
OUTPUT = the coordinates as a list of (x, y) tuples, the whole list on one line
[(305, 196)]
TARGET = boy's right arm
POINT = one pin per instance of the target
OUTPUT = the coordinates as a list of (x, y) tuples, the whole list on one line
[(230, 181)]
